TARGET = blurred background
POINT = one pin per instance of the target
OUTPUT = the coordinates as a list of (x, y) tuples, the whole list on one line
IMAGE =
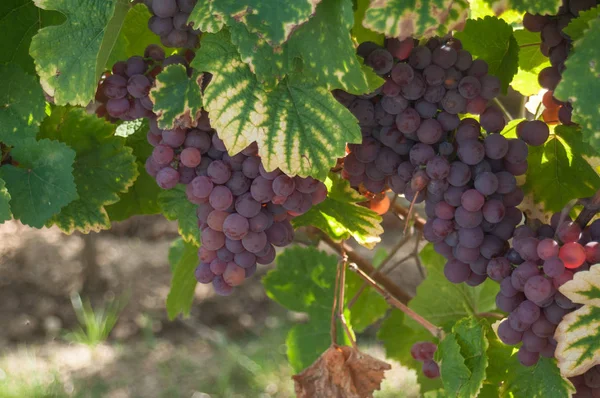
[(84, 316)]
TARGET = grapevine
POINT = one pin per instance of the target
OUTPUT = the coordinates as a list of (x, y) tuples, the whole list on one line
[(276, 133)]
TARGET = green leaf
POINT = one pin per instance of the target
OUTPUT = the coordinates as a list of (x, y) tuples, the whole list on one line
[(103, 167), (368, 308), (464, 359), (482, 8), (272, 20), (531, 62), (577, 27), (542, 380), (177, 98), (183, 258), (21, 105), (444, 303), (135, 35), (340, 215), (19, 21), (203, 18), (359, 32), (492, 40), (558, 170), (580, 84), (5, 213), (42, 183), (142, 196), (304, 281), (406, 18), (299, 127), (549, 7), (578, 334), (69, 58), (175, 206)]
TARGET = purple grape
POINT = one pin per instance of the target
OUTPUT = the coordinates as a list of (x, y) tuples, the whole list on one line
[(220, 198), (167, 178)]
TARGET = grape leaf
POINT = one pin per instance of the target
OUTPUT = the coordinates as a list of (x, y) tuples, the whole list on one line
[(274, 21), (359, 32), (482, 8), (142, 196), (175, 206), (577, 27), (578, 334), (542, 380), (580, 84), (464, 358), (531, 62), (203, 18), (340, 215), (492, 40), (42, 183), (299, 127), (69, 58), (103, 167), (19, 21), (549, 7), (183, 257), (558, 170), (406, 18), (304, 281), (177, 98), (21, 105), (444, 303), (134, 37), (5, 213)]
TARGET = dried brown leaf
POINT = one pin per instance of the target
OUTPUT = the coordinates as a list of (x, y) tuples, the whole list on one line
[(341, 372)]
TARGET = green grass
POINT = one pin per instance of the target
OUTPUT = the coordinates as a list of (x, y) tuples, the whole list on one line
[(19, 387), (94, 325)]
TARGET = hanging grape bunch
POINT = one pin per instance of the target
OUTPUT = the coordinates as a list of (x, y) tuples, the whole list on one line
[(557, 46), (170, 22)]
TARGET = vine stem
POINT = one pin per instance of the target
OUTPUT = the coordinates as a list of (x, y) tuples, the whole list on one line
[(419, 222), (434, 330), (590, 209), (364, 265), (342, 265), (503, 109)]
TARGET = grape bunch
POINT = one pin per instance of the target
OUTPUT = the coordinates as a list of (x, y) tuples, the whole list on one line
[(244, 211), (556, 45), (408, 121), (123, 93), (170, 21), (544, 259), (423, 351)]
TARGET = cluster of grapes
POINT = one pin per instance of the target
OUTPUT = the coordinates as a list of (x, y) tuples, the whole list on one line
[(407, 121), (170, 21), (122, 94), (545, 258), (423, 351), (243, 210), (556, 45)]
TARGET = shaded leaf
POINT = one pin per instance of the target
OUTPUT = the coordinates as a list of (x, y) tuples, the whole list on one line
[(406, 18), (492, 40), (19, 21), (341, 372), (578, 334), (70, 57), (142, 196), (42, 183), (299, 127), (103, 168), (340, 215), (183, 258), (177, 98), (577, 27), (175, 206), (542, 380), (558, 170), (580, 83), (5, 213), (21, 105), (272, 20), (304, 281), (368, 308)]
